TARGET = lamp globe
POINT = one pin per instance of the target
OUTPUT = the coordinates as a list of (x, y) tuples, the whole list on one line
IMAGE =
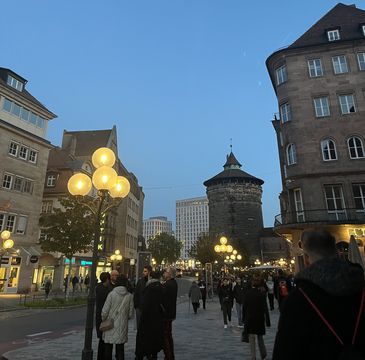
[(103, 157), (79, 184), (104, 178)]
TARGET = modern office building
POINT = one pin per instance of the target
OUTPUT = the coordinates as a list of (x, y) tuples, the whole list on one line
[(24, 154), (156, 225), (319, 81), (192, 221)]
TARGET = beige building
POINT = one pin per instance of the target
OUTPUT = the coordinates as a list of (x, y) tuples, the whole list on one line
[(23, 157), (156, 225), (319, 82)]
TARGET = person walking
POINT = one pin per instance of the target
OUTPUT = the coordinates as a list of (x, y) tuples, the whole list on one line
[(119, 307), (195, 296), (102, 290), (47, 287), (270, 291), (324, 316), (256, 315), (87, 282), (203, 289), (282, 287), (169, 304), (150, 333), (138, 291), (226, 296), (238, 295)]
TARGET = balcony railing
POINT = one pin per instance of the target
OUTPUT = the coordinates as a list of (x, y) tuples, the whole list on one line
[(320, 215)]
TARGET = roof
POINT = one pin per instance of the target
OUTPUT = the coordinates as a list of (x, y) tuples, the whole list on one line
[(346, 17), (24, 93), (231, 161)]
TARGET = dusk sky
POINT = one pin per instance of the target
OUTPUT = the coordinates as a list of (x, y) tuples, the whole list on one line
[(179, 79)]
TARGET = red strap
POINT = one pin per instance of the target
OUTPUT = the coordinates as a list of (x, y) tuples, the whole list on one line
[(358, 316)]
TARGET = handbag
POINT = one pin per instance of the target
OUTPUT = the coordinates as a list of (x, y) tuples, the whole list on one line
[(108, 323)]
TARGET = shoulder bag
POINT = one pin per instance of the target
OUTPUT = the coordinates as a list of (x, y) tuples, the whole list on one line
[(108, 324)]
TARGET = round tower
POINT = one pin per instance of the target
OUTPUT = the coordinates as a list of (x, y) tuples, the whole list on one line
[(234, 198)]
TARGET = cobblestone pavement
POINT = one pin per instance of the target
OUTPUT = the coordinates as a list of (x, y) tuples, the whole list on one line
[(196, 336)]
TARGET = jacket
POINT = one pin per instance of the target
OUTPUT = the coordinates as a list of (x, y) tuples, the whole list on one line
[(119, 333), (194, 293), (101, 292), (169, 299), (225, 294), (141, 284), (335, 287)]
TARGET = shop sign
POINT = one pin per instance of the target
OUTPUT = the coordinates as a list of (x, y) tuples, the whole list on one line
[(4, 260), (86, 263), (67, 261), (33, 259)]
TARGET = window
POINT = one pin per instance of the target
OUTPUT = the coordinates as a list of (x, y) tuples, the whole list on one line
[(321, 107), (28, 186), (16, 109), (285, 112), (328, 150), (291, 154), (16, 84), (51, 180), (13, 148), (23, 153), (7, 105), (315, 68), (356, 148), (21, 224), (359, 196), (2, 221), (361, 61), (18, 183), (299, 205), (333, 35), (347, 103), (25, 114), (33, 155), (363, 29), (340, 64), (10, 221), (281, 75), (7, 181), (335, 202)]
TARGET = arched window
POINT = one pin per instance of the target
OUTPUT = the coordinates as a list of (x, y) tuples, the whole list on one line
[(328, 150), (356, 148), (291, 154)]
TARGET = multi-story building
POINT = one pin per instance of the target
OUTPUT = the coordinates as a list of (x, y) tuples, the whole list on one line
[(23, 155), (121, 226), (319, 83), (156, 225), (192, 221)]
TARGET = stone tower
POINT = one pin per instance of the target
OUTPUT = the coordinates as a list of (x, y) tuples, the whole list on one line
[(235, 207)]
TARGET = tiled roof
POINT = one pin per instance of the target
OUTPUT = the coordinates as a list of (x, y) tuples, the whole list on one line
[(231, 160), (231, 175)]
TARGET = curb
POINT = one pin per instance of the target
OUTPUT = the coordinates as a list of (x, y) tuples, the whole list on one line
[(56, 307)]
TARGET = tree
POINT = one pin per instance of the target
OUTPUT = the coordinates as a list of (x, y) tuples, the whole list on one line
[(68, 229), (164, 247), (203, 249)]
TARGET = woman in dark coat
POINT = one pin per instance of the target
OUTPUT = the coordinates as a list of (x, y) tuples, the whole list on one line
[(150, 332), (256, 314)]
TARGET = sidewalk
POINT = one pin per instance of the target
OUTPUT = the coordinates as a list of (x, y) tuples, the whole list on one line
[(200, 336)]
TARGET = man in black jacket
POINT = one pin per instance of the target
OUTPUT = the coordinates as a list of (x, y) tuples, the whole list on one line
[(141, 284), (334, 286), (169, 304)]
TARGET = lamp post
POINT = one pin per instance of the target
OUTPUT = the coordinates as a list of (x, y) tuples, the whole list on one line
[(7, 242), (227, 250), (116, 257), (111, 189)]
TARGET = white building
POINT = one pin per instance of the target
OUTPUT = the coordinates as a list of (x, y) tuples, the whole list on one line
[(192, 220), (156, 225)]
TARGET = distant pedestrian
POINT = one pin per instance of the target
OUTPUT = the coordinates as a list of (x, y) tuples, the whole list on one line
[(81, 282), (87, 282), (324, 316), (270, 291), (256, 315), (226, 296), (102, 290), (47, 287), (119, 307), (75, 283), (195, 296), (138, 291), (169, 304), (150, 333), (203, 289), (282, 287), (239, 294)]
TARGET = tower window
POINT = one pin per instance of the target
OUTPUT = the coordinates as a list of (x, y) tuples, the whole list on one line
[(291, 154), (281, 75)]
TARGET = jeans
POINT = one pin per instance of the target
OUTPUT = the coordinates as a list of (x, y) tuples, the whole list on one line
[(119, 352), (204, 299), (262, 348), (227, 311), (239, 310), (168, 345), (271, 301)]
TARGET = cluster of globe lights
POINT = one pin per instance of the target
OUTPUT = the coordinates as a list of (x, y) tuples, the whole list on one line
[(224, 248), (104, 178), (7, 242), (117, 256)]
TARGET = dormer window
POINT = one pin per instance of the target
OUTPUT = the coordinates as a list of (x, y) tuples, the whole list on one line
[(16, 84), (333, 35), (363, 29)]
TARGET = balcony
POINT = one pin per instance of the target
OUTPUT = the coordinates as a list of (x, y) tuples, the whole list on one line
[(352, 216)]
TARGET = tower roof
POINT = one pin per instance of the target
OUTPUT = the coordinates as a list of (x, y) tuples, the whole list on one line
[(231, 162)]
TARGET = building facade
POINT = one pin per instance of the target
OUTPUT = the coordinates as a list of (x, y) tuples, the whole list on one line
[(319, 83), (156, 225), (192, 221), (24, 154), (235, 208)]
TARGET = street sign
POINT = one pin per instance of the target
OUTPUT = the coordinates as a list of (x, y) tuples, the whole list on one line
[(33, 259)]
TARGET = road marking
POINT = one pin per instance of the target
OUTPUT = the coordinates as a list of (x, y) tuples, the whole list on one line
[(69, 332), (39, 334)]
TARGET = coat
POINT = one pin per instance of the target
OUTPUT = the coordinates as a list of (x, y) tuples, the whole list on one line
[(256, 311), (169, 299), (141, 284), (101, 292), (335, 287), (194, 293), (238, 293), (119, 333), (225, 294), (150, 332)]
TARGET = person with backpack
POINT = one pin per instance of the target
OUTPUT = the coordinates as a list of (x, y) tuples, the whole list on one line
[(282, 287), (324, 316)]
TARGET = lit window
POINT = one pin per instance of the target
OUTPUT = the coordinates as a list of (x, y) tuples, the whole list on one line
[(315, 68), (328, 150), (333, 35), (21, 224), (51, 180), (361, 61), (321, 107), (291, 154), (285, 112), (356, 148), (16, 84), (13, 149), (33, 155), (281, 75), (347, 103), (340, 64), (7, 181), (23, 153)]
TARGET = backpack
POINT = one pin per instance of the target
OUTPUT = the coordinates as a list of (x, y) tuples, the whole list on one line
[(283, 288), (348, 352)]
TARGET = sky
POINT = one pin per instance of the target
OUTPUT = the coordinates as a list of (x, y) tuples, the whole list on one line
[(179, 79)]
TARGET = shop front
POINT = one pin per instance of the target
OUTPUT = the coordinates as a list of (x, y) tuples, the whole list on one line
[(9, 274)]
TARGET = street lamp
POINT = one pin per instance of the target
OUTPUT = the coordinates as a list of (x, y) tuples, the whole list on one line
[(116, 256), (111, 189), (7, 242)]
